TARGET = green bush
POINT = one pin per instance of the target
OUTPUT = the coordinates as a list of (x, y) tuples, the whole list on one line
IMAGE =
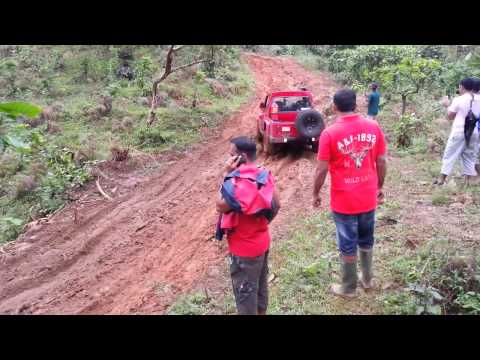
[(439, 281), (406, 128), (52, 170), (10, 228), (10, 164), (469, 302), (432, 51), (152, 136), (406, 78), (399, 303), (458, 279), (454, 72), (402, 70), (144, 70), (359, 62)]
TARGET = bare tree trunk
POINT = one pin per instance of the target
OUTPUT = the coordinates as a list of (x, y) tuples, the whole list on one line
[(404, 104), (168, 70)]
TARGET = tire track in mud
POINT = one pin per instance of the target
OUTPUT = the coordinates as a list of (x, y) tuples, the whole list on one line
[(137, 253)]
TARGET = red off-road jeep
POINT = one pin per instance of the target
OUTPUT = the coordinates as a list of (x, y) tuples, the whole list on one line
[(288, 116)]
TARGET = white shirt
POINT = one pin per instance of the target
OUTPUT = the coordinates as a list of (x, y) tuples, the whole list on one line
[(461, 106)]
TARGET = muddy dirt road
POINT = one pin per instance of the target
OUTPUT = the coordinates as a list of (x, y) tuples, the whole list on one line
[(154, 241)]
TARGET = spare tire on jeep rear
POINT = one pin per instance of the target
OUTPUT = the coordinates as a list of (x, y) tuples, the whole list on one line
[(309, 124)]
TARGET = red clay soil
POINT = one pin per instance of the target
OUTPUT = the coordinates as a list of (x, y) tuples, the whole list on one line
[(154, 240)]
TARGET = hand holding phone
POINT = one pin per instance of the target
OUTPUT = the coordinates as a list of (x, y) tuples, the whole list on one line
[(234, 162), (241, 159)]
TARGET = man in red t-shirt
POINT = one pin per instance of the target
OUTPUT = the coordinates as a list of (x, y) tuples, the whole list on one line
[(249, 240), (353, 150)]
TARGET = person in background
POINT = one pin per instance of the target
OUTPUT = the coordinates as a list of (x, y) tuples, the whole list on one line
[(457, 145), (353, 150), (373, 102)]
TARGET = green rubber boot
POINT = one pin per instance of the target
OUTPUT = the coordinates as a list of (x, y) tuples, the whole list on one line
[(366, 275), (348, 287)]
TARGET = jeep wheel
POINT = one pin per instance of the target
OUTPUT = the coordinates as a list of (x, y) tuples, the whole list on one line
[(309, 124)]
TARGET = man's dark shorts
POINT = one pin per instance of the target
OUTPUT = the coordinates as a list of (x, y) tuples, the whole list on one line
[(249, 281)]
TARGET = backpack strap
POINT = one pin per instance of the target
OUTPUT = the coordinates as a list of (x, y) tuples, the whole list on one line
[(262, 177), (228, 194), (471, 102)]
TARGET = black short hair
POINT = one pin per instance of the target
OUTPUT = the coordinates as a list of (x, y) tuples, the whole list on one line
[(246, 145), (345, 100), (374, 86), (468, 83), (476, 85)]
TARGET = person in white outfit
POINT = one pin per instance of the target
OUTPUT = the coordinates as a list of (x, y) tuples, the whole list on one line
[(456, 145)]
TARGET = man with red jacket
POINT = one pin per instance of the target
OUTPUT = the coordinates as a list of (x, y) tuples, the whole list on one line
[(249, 238), (353, 150)]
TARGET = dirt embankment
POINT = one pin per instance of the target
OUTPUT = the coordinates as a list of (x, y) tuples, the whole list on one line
[(137, 253)]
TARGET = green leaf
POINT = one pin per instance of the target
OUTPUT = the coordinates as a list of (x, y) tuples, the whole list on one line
[(14, 109)]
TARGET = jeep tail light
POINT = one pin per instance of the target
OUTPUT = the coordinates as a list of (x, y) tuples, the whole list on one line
[(274, 109)]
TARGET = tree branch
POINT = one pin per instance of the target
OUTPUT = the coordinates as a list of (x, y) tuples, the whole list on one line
[(178, 48), (100, 190), (168, 70), (187, 65)]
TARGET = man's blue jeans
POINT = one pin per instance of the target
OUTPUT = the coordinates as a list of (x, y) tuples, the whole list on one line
[(354, 231)]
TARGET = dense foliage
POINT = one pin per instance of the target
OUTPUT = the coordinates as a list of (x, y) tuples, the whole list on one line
[(50, 171)]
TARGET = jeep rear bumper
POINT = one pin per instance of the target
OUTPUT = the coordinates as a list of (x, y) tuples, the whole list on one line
[(287, 139), (284, 132)]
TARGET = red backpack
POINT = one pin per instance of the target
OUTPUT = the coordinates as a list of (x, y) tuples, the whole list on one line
[(247, 190)]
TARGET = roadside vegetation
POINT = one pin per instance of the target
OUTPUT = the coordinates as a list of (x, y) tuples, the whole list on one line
[(94, 103)]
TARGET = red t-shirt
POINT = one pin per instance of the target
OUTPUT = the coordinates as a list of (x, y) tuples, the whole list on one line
[(250, 237), (351, 146)]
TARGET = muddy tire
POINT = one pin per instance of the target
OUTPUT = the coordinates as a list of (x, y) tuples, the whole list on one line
[(259, 136), (309, 124), (268, 147)]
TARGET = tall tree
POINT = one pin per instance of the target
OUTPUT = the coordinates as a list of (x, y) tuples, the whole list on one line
[(169, 69), (408, 77)]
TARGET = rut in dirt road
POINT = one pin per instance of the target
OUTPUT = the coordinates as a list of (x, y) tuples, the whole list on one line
[(137, 253)]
